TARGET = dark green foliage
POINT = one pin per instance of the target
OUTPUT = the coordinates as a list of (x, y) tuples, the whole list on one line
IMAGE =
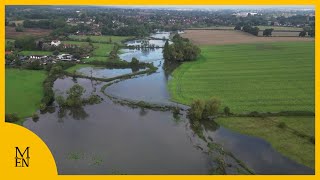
[(134, 62), (282, 125), (211, 108), (181, 50), (238, 27), (302, 34), (34, 65), (55, 52), (19, 28), (196, 110), (227, 111), (93, 99), (204, 110), (60, 100), (74, 96), (267, 32), (35, 116), (26, 43), (251, 30), (11, 118)]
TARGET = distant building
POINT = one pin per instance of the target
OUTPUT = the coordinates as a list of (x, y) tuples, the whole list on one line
[(55, 43), (65, 57)]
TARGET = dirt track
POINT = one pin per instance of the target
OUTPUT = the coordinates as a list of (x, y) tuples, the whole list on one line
[(216, 37)]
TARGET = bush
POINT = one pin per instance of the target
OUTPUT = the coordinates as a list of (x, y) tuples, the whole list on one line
[(93, 99), (35, 116), (60, 100), (226, 110), (11, 118), (55, 52), (74, 96), (134, 62), (211, 108), (196, 110), (282, 125)]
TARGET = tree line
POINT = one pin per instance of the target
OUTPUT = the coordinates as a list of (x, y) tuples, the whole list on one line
[(180, 50)]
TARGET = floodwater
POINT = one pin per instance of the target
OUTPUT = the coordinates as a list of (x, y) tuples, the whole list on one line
[(101, 72), (111, 138)]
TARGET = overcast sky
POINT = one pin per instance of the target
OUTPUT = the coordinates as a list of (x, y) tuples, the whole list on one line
[(221, 6)]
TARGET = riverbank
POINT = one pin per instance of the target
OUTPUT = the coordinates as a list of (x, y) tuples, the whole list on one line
[(276, 77), (283, 139)]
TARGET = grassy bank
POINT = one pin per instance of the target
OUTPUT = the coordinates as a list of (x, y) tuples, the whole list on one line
[(250, 77), (283, 140), (102, 50), (23, 91)]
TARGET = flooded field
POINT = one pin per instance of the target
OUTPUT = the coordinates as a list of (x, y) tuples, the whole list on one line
[(100, 72), (113, 138)]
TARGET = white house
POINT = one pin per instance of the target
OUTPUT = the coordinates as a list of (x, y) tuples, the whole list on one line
[(55, 43)]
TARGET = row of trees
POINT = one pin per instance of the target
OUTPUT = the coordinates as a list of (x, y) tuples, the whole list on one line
[(45, 24), (180, 50), (251, 30), (247, 28)]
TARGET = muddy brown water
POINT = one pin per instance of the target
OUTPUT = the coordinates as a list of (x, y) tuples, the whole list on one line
[(110, 138)]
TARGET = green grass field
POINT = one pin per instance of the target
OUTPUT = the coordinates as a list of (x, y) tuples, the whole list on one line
[(102, 49), (75, 42), (29, 53), (95, 58), (102, 39), (283, 140), (23, 91), (252, 77), (77, 66)]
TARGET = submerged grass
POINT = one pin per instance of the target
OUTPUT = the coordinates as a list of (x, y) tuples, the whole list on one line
[(285, 140)]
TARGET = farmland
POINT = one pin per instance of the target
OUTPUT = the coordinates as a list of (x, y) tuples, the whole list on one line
[(23, 91), (12, 34), (282, 139), (218, 37), (102, 49), (250, 77), (276, 28), (101, 39)]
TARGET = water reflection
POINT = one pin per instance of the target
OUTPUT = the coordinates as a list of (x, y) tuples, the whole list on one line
[(77, 113)]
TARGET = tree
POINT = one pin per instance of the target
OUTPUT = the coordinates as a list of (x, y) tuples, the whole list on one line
[(196, 110), (238, 27), (74, 96), (134, 62), (19, 28), (211, 108), (267, 32), (302, 34), (26, 43), (55, 52)]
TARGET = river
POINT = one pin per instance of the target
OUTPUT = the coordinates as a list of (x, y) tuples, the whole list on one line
[(114, 138)]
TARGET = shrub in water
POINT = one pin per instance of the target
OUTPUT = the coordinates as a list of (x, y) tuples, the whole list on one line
[(35, 116)]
